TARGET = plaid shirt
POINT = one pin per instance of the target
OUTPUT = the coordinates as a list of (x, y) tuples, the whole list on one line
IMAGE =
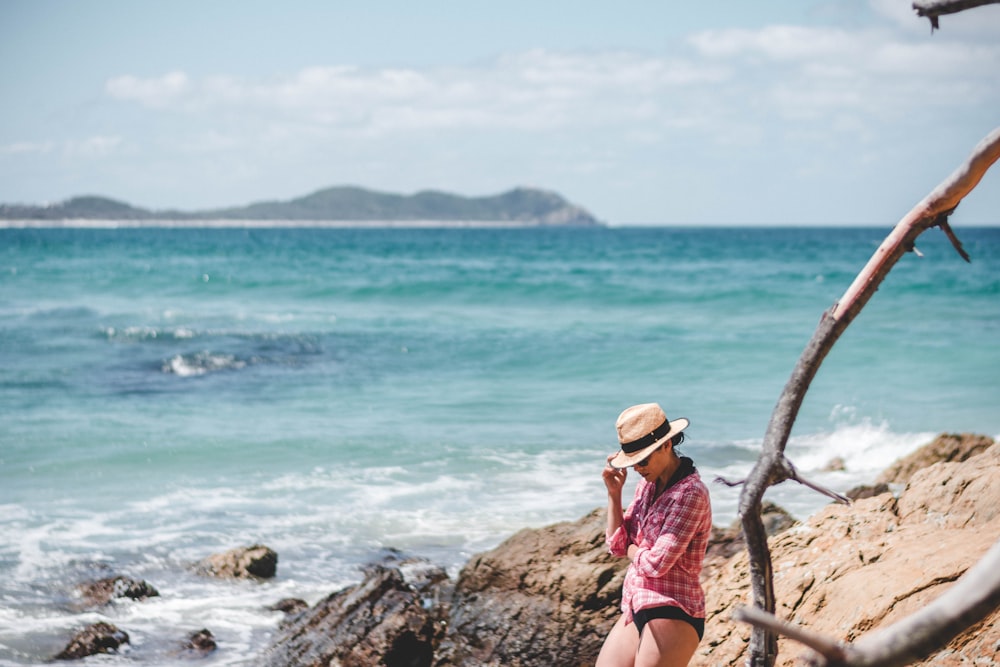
[(672, 534)]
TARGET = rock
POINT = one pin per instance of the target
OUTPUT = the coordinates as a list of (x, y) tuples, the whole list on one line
[(543, 597), (289, 606), (200, 643), (726, 542), (102, 591), (417, 572), (836, 464), (851, 569), (867, 491), (93, 639), (381, 621), (257, 561), (954, 447), (549, 596)]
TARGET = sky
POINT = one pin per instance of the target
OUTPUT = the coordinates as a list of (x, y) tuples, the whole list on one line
[(716, 112)]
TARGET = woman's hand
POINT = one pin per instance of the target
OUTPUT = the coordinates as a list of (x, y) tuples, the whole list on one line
[(614, 479)]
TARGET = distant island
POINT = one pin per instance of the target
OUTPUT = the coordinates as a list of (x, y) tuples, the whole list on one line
[(335, 206)]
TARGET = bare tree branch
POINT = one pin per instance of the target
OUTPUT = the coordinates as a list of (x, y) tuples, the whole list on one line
[(932, 9), (942, 201), (772, 467), (831, 650)]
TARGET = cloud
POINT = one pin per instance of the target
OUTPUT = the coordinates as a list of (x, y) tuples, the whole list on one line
[(156, 93), (776, 43), (716, 77), (805, 72), (27, 148), (93, 147), (534, 90)]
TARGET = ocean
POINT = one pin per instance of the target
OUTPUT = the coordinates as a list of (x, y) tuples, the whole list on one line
[(167, 394)]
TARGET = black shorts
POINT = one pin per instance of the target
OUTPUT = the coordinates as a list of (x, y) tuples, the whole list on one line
[(644, 616)]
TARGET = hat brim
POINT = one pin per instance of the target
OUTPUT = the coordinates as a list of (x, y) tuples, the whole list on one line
[(623, 460)]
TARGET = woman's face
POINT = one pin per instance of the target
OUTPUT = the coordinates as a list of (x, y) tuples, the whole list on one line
[(653, 465)]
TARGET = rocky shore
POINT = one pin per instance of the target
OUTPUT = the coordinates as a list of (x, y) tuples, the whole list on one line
[(548, 596)]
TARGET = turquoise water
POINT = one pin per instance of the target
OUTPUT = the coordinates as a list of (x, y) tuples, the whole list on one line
[(171, 393)]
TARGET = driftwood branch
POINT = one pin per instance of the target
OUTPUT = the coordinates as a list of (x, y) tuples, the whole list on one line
[(932, 9), (823, 646), (971, 599), (772, 467)]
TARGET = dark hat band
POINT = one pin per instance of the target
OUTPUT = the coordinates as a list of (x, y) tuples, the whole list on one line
[(647, 440)]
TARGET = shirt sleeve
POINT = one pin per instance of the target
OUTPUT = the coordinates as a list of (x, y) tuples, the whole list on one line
[(682, 519), (619, 540)]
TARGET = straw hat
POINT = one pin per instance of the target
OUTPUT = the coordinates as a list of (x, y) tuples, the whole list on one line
[(641, 429)]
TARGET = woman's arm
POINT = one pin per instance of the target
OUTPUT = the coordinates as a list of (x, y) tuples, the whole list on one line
[(614, 480)]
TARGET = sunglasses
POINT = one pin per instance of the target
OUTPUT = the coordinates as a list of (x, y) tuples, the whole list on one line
[(645, 462)]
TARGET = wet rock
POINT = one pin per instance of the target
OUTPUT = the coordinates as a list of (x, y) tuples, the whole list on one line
[(103, 591), (417, 572), (382, 621), (199, 644), (289, 606), (253, 562), (543, 597), (93, 639), (947, 447)]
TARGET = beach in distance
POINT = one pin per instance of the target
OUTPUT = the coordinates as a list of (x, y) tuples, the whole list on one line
[(336, 392)]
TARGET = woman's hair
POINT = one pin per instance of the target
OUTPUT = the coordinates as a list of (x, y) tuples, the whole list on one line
[(678, 439)]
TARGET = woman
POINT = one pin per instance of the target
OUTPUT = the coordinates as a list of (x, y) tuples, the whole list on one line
[(664, 534)]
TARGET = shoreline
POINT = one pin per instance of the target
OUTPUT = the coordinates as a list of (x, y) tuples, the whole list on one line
[(87, 223)]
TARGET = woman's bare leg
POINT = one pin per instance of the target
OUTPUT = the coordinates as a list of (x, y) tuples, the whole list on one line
[(666, 643), (620, 647)]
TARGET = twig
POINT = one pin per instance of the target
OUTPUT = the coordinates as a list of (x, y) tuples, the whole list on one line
[(942, 224), (932, 9), (794, 474)]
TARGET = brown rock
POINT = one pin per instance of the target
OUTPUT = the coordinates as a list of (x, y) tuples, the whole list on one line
[(200, 643), (726, 542), (257, 561), (93, 639), (849, 570), (549, 596), (381, 621), (102, 591), (954, 447), (867, 491), (836, 464), (543, 597)]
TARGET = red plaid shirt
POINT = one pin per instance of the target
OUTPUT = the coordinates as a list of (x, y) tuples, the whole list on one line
[(672, 534)]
